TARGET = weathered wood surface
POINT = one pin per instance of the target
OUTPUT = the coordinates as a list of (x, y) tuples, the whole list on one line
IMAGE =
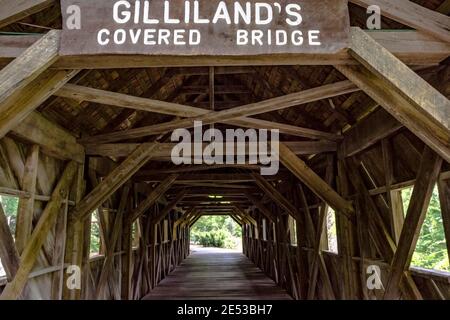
[(47, 220), (118, 177), (153, 196), (25, 209), (164, 150), (413, 15), (301, 170), (17, 98), (429, 101), (22, 103), (420, 199), (421, 122), (330, 17), (236, 116), (217, 274), (13, 10), (378, 125), (52, 139), (412, 47)]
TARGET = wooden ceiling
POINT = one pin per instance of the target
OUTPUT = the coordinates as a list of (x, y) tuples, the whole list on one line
[(190, 86), (233, 86)]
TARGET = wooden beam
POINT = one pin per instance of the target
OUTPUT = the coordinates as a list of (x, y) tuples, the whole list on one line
[(416, 120), (153, 196), (194, 221), (112, 241), (409, 98), (40, 233), (19, 105), (210, 177), (420, 199), (24, 84), (164, 150), (382, 63), (25, 210), (275, 195), (13, 11), (286, 129), (370, 130), (301, 170), (260, 206), (237, 219), (320, 229), (192, 211), (413, 15), (444, 197), (218, 89), (245, 216), (199, 168), (412, 47), (112, 182), (394, 198), (8, 252), (75, 234), (28, 65), (172, 204), (127, 259), (236, 116), (53, 140)]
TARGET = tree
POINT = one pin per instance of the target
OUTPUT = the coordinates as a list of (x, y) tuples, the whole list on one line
[(10, 205), (216, 231), (431, 250)]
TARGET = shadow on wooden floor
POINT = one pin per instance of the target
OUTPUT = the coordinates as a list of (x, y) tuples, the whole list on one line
[(210, 273)]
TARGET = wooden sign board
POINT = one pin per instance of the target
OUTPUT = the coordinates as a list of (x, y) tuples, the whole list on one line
[(204, 27)]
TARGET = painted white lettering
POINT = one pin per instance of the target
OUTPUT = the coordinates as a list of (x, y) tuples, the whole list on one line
[(147, 19), (222, 13), (121, 16), (149, 36), (178, 37), (195, 37), (295, 18), (242, 37), (259, 8), (313, 35), (100, 39), (167, 18), (257, 36), (120, 36), (135, 35), (241, 13), (163, 36), (197, 18)]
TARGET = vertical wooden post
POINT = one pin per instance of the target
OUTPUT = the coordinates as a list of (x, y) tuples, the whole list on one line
[(74, 238), (394, 197), (425, 181), (85, 257), (126, 258), (59, 253), (346, 239), (444, 197), (25, 210)]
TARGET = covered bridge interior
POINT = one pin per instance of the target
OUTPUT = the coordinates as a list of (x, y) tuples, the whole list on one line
[(92, 134)]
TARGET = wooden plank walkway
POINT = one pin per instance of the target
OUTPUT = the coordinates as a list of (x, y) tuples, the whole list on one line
[(217, 274)]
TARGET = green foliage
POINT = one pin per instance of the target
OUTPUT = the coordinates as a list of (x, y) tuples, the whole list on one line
[(431, 250), (216, 231), (95, 235), (10, 205)]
